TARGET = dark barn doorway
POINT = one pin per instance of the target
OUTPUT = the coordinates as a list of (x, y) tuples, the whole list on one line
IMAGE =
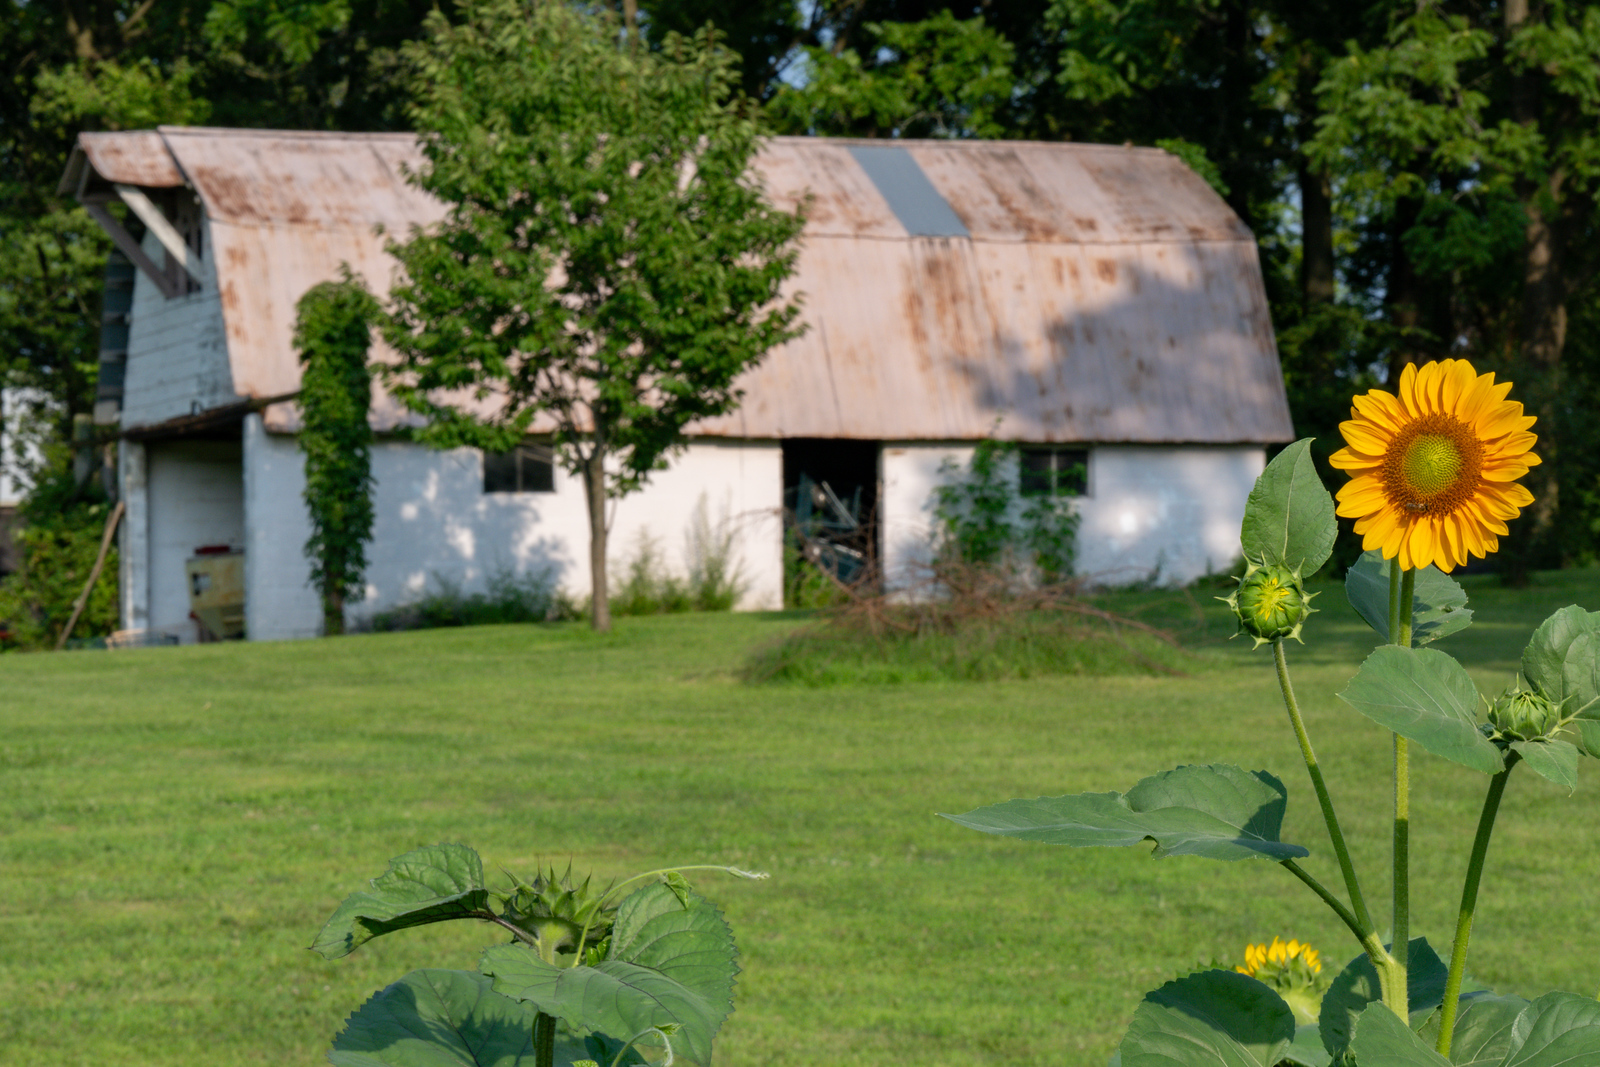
[(830, 496)]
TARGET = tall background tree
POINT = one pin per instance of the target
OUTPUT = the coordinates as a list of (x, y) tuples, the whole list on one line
[(607, 264)]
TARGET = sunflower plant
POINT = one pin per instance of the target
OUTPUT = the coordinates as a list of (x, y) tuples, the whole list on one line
[(589, 977), (1433, 472)]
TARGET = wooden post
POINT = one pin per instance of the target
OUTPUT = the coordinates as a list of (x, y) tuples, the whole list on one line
[(94, 575)]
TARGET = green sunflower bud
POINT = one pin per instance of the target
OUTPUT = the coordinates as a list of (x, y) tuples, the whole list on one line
[(1270, 603), (1523, 715)]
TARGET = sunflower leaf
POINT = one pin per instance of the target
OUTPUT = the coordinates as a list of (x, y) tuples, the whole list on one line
[(667, 965), (1357, 986), (1288, 519), (1219, 812), (1562, 660), (1438, 609), (1206, 1019), (433, 884), (1557, 1030), (1424, 695), (1381, 1038), (1555, 760)]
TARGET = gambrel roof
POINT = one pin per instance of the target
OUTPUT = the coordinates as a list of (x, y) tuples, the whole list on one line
[(953, 289)]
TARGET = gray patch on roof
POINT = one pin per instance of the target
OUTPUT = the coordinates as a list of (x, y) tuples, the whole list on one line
[(911, 196)]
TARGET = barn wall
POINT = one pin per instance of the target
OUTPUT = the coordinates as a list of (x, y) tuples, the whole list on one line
[(435, 524), (194, 497), (434, 521), (177, 349), (1167, 513)]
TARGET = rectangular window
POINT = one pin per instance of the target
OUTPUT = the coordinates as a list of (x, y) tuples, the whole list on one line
[(1051, 471), (528, 468), (188, 218)]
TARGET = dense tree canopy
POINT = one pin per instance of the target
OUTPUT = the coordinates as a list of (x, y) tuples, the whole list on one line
[(1421, 176)]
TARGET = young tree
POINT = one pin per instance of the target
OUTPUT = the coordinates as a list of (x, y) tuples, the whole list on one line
[(332, 333), (608, 265)]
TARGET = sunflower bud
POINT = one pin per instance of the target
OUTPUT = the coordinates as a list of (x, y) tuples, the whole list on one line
[(1523, 715), (1270, 603)]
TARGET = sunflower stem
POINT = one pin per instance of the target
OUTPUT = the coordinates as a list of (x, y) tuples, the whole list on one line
[(1469, 903), (1360, 921), (1398, 994), (1364, 934), (1394, 603)]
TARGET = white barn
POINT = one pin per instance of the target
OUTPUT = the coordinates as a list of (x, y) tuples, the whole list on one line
[(1090, 302)]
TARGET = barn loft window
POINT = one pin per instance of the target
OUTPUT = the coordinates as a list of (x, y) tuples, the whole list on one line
[(188, 220), (1050, 471), (528, 468)]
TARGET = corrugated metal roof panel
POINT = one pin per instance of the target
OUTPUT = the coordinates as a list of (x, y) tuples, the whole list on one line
[(139, 157), (1105, 294)]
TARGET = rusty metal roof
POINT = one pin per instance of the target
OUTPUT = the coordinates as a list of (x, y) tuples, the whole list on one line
[(1098, 294)]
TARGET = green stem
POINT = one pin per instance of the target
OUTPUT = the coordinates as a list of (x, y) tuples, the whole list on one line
[(1394, 603), (1398, 994), (1469, 902), (1362, 927), (544, 1040), (1364, 934)]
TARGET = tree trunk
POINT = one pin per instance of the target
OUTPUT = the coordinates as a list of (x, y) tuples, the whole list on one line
[(1316, 248), (332, 614), (594, 491), (1543, 326), (1404, 296)]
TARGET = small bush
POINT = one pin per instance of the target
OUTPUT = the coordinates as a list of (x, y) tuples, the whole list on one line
[(510, 598), (715, 581), (62, 524), (966, 623)]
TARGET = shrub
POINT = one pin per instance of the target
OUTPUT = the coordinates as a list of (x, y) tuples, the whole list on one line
[(62, 523), (510, 598)]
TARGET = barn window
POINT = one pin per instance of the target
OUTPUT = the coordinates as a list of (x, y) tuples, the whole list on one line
[(1050, 471), (189, 220), (528, 468)]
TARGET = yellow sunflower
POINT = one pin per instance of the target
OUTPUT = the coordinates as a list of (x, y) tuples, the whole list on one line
[(1433, 470)]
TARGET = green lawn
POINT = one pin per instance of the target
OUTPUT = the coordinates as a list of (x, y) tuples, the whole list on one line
[(179, 822)]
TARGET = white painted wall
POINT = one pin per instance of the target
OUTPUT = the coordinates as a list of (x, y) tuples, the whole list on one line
[(19, 446), (194, 496), (433, 521), (177, 349), (1170, 513), (133, 539)]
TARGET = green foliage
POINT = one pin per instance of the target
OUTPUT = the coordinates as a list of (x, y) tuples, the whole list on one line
[(1214, 1017), (1288, 519), (607, 262), (1217, 812), (983, 521), (60, 529), (332, 333), (1358, 985), (1426, 696), (658, 964), (714, 581), (1439, 610), (940, 77), (510, 598)]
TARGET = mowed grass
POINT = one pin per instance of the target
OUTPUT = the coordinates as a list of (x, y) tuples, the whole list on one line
[(175, 825)]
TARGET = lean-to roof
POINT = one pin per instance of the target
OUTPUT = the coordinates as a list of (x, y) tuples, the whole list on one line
[(953, 289)]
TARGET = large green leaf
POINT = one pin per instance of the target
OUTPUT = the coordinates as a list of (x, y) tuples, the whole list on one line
[(1483, 1034), (1556, 760), (1210, 1019), (1357, 986), (1426, 696), (1563, 661), (667, 964), (427, 885), (1289, 517), (437, 1018), (1438, 606), (1557, 1030), (1381, 1039), (1306, 1050), (1219, 812)]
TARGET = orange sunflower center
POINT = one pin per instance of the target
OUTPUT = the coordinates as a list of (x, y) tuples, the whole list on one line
[(1433, 465)]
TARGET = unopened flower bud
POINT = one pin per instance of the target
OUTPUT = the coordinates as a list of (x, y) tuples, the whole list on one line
[(1270, 603), (1523, 715)]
